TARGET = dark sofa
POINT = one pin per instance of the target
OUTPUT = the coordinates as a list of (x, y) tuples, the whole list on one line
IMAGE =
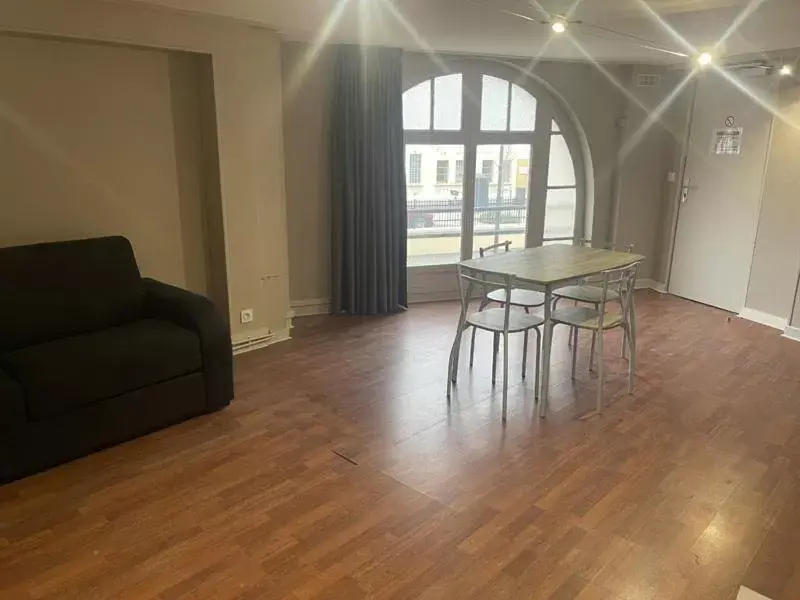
[(92, 354)]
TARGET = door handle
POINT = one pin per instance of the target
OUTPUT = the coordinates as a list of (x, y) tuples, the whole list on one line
[(685, 189)]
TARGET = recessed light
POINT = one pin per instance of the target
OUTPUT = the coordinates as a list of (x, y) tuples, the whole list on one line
[(559, 26), (786, 71)]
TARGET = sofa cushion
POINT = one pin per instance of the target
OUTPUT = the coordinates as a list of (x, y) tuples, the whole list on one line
[(12, 405), (63, 289), (59, 376)]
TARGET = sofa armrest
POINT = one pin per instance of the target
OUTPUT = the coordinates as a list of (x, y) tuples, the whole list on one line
[(197, 313)]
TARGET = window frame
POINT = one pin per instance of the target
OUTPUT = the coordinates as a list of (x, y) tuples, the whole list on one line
[(419, 69)]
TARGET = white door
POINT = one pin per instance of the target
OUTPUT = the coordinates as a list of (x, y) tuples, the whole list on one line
[(721, 193)]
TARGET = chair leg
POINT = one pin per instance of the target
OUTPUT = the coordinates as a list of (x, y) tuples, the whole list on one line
[(524, 353), (495, 348), (573, 335), (600, 371), (538, 364), (633, 346), (631, 361), (452, 373), (472, 348), (591, 353), (505, 374)]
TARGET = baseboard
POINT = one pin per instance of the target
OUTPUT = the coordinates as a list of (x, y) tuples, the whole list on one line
[(437, 296), (311, 307), (258, 339), (792, 333), (763, 318), (651, 284)]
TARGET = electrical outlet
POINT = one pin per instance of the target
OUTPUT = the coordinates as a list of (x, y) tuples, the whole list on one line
[(247, 315)]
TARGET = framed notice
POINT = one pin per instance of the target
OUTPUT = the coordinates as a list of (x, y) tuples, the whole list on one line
[(727, 141)]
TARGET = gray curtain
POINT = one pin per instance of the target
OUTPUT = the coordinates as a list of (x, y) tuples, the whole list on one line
[(368, 190)]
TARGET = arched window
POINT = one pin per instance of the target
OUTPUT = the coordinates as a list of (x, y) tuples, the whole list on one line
[(472, 177)]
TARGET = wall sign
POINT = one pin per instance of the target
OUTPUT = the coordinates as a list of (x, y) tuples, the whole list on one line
[(728, 141)]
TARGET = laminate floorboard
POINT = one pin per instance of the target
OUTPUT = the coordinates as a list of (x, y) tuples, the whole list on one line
[(340, 472)]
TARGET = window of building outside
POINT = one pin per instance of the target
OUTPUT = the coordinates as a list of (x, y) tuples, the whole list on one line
[(442, 171), (498, 206), (487, 170), (415, 169)]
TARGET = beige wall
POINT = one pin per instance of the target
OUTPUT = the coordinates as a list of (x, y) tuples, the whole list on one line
[(247, 90), (89, 147), (776, 258), (651, 148), (305, 126)]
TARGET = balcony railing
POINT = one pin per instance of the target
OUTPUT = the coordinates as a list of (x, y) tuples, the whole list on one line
[(442, 217)]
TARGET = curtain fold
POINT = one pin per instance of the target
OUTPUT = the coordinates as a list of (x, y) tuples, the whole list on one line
[(368, 191)]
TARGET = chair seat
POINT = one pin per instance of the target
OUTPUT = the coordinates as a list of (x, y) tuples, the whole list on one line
[(585, 293), (493, 319), (585, 317), (525, 298)]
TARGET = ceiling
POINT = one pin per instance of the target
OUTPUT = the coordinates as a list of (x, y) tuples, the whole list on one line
[(482, 26)]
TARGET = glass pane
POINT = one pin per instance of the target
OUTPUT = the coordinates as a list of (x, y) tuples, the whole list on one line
[(561, 169), (559, 216), (501, 209), (494, 104), (447, 103), (417, 107), (435, 203), (523, 110), (554, 126)]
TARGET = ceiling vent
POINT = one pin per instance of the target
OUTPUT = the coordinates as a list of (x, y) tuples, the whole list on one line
[(647, 80)]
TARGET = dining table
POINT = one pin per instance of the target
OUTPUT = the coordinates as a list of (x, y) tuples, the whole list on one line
[(547, 268)]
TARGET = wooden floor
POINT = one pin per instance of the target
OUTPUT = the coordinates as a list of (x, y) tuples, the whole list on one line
[(339, 472)]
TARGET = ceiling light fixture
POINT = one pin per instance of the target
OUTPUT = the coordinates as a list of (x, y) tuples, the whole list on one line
[(704, 59), (559, 26), (786, 71)]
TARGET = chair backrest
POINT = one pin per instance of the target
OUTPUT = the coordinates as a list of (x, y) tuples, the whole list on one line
[(469, 277), (587, 243), (622, 281), (494, 248), (604, 245)]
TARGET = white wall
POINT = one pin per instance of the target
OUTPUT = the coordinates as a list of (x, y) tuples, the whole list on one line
[(247, 87)]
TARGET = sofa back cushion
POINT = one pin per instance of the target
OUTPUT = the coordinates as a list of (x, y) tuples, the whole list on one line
[(56, 290)]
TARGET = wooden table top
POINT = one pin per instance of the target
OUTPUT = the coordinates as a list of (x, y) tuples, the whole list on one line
[(557, 263)]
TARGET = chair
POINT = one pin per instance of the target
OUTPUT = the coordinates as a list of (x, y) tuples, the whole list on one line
[(525, 299), (588, 290), (495, 320), (616, 284)]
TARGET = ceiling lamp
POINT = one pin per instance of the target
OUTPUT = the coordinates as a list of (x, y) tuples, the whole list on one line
[(559, 26), (786, 71), (704, 59)]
